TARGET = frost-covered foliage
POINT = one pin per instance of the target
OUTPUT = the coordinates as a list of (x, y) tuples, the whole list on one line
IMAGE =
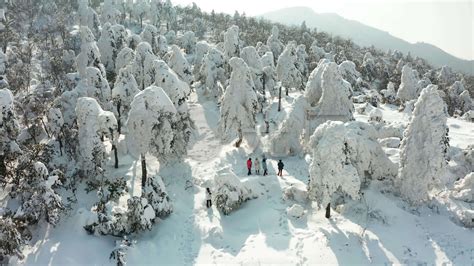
[(202, 48), (424, 147), (368, 67), (112, 215), (274, 43), (3, 63), (124, 91), (143, 65), (267, 60), (231, 42), (124, 57), (88, 17), (180, 65), (213, 71), (389, 94), (188, 42), (90, 54), (252, 59), (149, 34), (37, 194), (459, 101), (287, 139), (239, 102), (314, 90), (150, 124), (178, 91), (96, 86), (230, 193), (345, 156), (110, 12), (287, 72), (11, 237), (93, 123), (335, 103), (301, 61), (270, 81), (408, 89), (111, 42), (349, 72), (9, 128)]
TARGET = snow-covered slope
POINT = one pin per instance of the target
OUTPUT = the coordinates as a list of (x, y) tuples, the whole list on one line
[(378, 229)]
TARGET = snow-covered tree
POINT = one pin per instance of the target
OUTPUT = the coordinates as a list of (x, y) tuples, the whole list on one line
[(124, 91), (314, 90), (149, 34), (150, 125), (408, 89), (270, 81), (88, 17), (252, 59), (345, 157), (213, 71), (124, 57), (287, 72), (349, 72), (180, 65), (231, 42), (110, 12), (267, 60), (287, 139), (143, 65), (301, 61), (424, 147), (335, 103), (92, 122), (276, 46), (94, 85), (202, 48), (111, 42), (389, 94), (161, 47), (368, 67), (139, 10), (458, 99), (9, 128), (90, 54), (230, 193), (239, 102), (188, 42), (55, 126)]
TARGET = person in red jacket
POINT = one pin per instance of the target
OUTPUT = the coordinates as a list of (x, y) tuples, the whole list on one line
[(249, 166)]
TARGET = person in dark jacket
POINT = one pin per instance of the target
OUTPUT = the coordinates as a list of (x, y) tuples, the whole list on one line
[(264, 166), (208, 198), (280, 168), (249, 166)]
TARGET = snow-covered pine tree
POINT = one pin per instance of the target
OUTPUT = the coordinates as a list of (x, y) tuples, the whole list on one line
[(124, 57), (180, 65), (110, 12), (150, 125), (239, 102), (90, 54), (202, 48), (408, 89), (88, 17), (252, 59), (143, 65), (212, 69), (9, 129), (111, 42), (301, 61), (124, 91), (274, 43), (287, 72), (188, 42), (424, 148), (314, 90), (231, 42)]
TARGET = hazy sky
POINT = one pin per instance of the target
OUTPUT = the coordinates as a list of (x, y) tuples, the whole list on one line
[(446, 24)]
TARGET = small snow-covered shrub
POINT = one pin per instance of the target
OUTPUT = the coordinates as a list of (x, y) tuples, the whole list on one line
[(375, 115), (155, 193), (464, 188), (297, 192), (230, 193), (408, 89), (295, 211)]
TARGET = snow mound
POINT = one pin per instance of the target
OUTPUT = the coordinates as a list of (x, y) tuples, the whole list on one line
[(297, 192), (295, 211), (464, 189)]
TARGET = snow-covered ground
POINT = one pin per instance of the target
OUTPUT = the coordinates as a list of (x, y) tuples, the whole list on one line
[(379, 229)]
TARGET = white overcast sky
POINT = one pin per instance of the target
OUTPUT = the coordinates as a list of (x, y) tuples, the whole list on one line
[(446, 24)]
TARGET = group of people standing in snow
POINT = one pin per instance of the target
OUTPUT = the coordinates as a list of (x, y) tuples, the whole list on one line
[(256, 166)]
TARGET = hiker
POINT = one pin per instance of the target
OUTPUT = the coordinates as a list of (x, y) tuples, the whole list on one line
[(264, 166), (257, 166), (280, 168), (249, 166), (208, 198)]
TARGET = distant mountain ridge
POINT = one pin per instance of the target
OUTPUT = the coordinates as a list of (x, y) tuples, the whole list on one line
[(364, 35)]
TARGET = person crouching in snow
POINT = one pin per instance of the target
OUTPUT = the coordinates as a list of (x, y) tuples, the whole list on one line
[(257, 166), (208, 198), (249, 166)]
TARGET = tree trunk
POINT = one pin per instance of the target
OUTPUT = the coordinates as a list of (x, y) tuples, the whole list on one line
[(143, 170), (239, 141), (328, 211), (3, 167), (119, 123), (279, 100), (114, 148), (60, 145), (287, 91)]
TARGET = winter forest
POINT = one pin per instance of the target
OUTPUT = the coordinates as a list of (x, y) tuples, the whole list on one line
[(121, 121)]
